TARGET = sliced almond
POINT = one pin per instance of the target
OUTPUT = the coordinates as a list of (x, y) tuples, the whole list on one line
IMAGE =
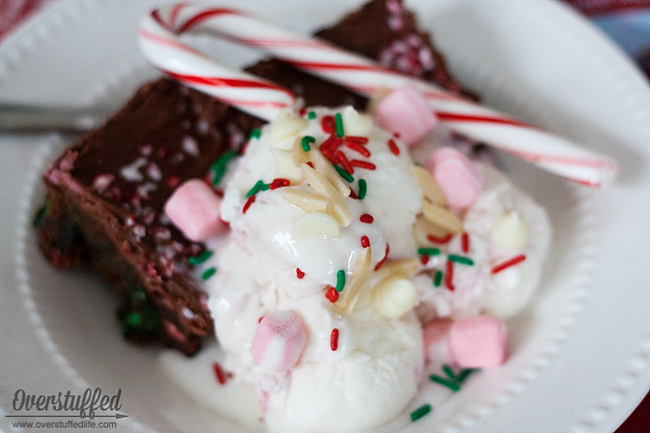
[(430, 187), (324, 167), (404, 267), (423, 228), (350, 294), (339, 209), (299, 155), (306, 200), (441, 217)]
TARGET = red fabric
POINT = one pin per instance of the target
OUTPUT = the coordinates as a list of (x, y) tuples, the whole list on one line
[(12, 12), (595, 7)]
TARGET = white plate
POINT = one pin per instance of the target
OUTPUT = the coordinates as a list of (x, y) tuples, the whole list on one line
[(580, 354)]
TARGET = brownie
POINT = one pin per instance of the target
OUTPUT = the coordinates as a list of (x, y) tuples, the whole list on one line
[(106, 193)]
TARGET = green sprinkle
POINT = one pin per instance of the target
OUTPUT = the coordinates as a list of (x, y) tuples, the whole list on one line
[(306, 140), (311, 115), (363, 187), (451, 384), (133, 319), (265, 186), (437, 279), (460, 377), (210, 272), (218, 168), (449, 372), (344, 174), (338, 122), (340, 280), (40, 215), (200, 259), (420, 412), (460, 259), (255, 133), (255, 189), (428, 251)]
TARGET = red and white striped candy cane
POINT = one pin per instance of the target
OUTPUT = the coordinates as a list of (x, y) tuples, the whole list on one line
[(160, 43), (551, 152)]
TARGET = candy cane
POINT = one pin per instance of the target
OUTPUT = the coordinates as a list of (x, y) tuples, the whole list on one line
[(252, 94), (546, 150)]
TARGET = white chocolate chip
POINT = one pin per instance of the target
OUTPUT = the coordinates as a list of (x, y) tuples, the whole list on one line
[(510, 230), (356, 124), (316, 223), (285, 166), (286, 125), (394, 296)]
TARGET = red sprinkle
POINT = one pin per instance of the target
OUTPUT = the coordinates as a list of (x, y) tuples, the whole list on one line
[(248, 203), (338, 141), (381, 262), (329, 142), (424, 259), (173, 181), (366, 218), (464, 242), (302, 111), (279, 183), (221, 376), (334, 339), (328, 123), (393, 147), (363, 164), (437, 240), (300, 274), (449, 276), (513, 261), (353, 194), (311, 164), (345, 162), (356, 139), (358, 148), (365, 242), (332, 294), (329, 154)]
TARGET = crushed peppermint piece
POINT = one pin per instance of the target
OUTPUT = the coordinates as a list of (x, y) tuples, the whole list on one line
[(190, 146), (131, 172), (154, 173), (102, 182)]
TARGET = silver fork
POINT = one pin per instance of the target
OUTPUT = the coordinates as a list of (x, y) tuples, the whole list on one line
[(31, 118)]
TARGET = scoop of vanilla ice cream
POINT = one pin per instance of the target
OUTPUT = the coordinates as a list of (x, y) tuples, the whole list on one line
[(501, 225), (284, 254)]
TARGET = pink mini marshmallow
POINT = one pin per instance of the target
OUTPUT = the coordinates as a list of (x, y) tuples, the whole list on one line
[(278, 341), (194, 209), (478, 342), (405, 112), (434, 336), (458, 177)]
